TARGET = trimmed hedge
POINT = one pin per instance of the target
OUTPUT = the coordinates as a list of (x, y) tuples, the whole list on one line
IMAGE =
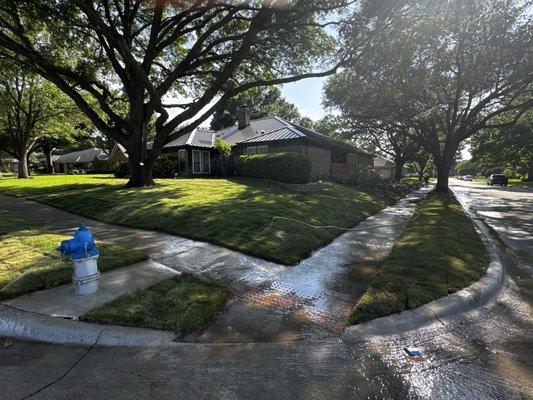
[(165, 166), (122, 170), (281, 167)]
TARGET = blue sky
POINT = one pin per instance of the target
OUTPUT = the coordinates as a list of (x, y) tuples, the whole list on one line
[(307, 96)]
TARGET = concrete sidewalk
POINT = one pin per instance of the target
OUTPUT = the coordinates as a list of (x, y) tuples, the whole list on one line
[(63, 302), (273, 302), (312, 300), (239, 271)]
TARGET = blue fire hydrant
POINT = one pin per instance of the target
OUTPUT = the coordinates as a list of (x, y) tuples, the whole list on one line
[(84, 254)]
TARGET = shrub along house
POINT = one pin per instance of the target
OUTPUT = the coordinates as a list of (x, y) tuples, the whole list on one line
[(197, 155)]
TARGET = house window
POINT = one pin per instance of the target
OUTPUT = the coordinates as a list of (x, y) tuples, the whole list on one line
[(251, 150), (196, 164), (352, 161), (262, 149), (206, 162), (182, 161), (201, 162)]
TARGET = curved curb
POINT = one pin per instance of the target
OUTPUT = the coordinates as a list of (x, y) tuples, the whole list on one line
[(26, 325), (445, 308)]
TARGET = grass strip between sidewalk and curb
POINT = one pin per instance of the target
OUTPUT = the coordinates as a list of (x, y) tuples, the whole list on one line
[(182, 304), (438, 254), (29, 261)]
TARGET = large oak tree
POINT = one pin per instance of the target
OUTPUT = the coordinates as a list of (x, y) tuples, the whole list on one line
[(30, 110), (162, 66), (444, 69)]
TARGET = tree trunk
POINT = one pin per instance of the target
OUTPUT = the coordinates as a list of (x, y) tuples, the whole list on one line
[(23, 164), (49, 163), (398, 169), (443, 174), (421, 174), (140, 167), (530, 171)]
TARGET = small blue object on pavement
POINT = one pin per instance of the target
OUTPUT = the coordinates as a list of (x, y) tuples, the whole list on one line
[(413, 351)]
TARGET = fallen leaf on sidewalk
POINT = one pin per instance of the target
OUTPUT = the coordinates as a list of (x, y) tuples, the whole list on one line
[(8, 343)]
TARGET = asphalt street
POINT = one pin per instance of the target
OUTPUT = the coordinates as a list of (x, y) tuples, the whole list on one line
[(484, 355)]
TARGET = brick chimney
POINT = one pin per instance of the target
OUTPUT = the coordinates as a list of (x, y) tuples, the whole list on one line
[(243, 117)]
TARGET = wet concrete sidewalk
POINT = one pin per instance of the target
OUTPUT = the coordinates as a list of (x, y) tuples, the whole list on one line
[(312, 300), (273, 302), (239, 271)]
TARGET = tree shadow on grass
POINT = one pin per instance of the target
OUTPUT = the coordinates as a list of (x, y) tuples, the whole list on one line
[(235, 216)]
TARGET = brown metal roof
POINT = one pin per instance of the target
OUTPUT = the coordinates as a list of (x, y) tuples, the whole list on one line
[(283, 130), (260, 130)]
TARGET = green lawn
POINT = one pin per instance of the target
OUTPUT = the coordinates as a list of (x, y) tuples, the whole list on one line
[(29, 261), (238, 214), (439, 253), (182, 304), (519, 182)]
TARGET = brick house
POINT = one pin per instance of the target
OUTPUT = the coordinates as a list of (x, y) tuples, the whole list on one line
[(197, 154)]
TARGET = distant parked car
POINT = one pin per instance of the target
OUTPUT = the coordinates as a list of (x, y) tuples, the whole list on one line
[(497, 179), (467, 178)]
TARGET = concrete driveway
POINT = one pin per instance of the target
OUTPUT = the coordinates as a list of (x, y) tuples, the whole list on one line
[(486, 354)]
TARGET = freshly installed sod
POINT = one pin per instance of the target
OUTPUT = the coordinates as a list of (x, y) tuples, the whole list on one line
[(439, 253), (182, 304), (238, 214), (29, 261)]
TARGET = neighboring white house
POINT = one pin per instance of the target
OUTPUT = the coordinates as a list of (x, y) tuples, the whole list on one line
[(385, 168)]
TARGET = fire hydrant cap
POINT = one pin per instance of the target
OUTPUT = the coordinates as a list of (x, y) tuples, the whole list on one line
[(81, 246)]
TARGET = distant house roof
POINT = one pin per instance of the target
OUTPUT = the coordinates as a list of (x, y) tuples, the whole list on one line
[(82, 156), (383, 162), (119, 147), (52, 158), (9, 159)]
